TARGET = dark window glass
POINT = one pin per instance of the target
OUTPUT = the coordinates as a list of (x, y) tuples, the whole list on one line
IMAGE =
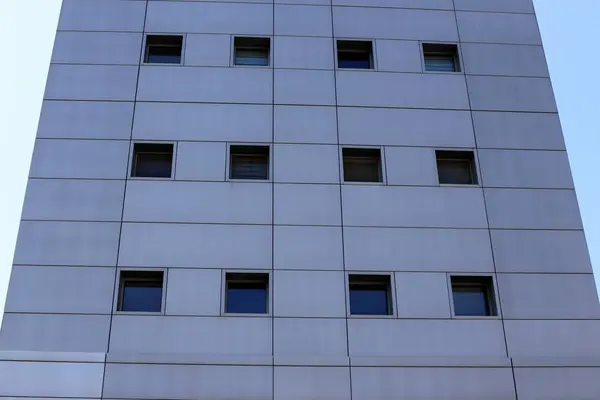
[(247, 293), (440, 63), (141, 291), (473, 296), (163, 49), (251, 51), (456, 167), (362, 165), (152, 160), (355, 54), (370, 295), (249, 162), (441, 57), (354, 60)]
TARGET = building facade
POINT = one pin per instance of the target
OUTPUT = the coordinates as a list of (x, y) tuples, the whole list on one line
[(298, 200)]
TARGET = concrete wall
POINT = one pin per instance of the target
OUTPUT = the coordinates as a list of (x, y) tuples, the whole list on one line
[(84, 219)]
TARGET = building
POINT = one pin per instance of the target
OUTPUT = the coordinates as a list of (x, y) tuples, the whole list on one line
[(366, 200)]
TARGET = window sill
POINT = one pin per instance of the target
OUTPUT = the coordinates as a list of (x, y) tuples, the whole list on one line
[(250, 180), (463, 185), (356, 69), (149, 178), (250, 315), (151, 64), (444, 72), (251, 66), (476, 317), (370, 316), (363, 183), (139, 313)]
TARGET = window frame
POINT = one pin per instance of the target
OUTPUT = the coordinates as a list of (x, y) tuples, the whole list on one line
[(491, 289), (132, 160), (224, 287), (119, 285), (269, 161), (146, 48), (373, 64), (382, 170), (475, 173), (457, 57), (234, 48), (391, 295)]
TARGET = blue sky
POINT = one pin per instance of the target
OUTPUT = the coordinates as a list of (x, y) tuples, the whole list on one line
[(569, 31)]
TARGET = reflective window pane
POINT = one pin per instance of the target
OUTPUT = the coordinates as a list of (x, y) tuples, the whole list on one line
[(251, 51), (163, 55), (163, 49), (456, 172), (473, 296), (142, 296), (356, 54), (153, 165), (140, 291), (440, 57), (456, 167), (470, 302), (249, 162), (370, 294), (152, 160), (440, 63), (247, 293), (369, 301), (257, 57), (354, 60), (362, 165)]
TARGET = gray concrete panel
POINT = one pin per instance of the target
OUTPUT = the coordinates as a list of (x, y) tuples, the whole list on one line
[(187, 381), (67, 243), (195, 245), (170, 334), (60, 290), (414, 383), (55, 332), (409, 249), (79, 380)]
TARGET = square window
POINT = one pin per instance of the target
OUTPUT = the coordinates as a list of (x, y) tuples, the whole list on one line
[(370, 295), (163, 49), (362, 165), (473, 296), (440, 57), (249, 162), (140, 291), (152, 160), (251, 51), (246, 293), (456, 167), (357, 54)]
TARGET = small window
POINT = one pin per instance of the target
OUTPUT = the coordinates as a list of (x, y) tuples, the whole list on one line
[(356, 54), (370, 295), (251, 51), (152, 160), (249, 162), (473, 296), (441, 57), (456, 167), (362, 165), (247, 293), (140, 291), (163, 49)]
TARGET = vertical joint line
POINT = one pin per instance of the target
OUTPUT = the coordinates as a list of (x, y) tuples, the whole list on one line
[(489, 230), (272, 176), (340, 183), (116, 279)]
